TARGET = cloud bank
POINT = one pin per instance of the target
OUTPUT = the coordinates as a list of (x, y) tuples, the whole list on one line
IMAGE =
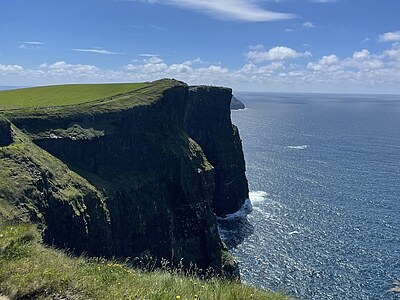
[(273, 69)]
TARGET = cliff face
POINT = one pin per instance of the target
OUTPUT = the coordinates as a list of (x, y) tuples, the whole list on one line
[(208, 121), (5, 132), (141, 180)]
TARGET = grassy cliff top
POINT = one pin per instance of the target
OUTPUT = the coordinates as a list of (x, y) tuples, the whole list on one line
[(61, 95), (71, 100)]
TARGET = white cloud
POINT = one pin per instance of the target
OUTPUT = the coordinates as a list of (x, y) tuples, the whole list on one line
[(390, 37), (148, 55), (31, 45), (153, 60), (265, 70), (308, 25), (98, 51), (63, 69), (240, 10), (363, 60), (278, 53), (151, 64), (327, 63), (10, 69), (362, 55), (393, 53)]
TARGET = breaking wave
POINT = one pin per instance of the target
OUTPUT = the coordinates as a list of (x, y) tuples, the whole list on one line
[(302, 147), (234, 228), (257, 197)]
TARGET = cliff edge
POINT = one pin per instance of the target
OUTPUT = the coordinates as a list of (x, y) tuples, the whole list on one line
[(138, 174)]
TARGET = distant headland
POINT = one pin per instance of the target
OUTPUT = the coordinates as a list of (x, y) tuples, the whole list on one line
[(237, 104)]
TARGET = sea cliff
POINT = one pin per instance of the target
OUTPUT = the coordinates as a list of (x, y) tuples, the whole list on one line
[(139, 174)]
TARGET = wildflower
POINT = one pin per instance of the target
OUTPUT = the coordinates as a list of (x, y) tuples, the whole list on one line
[(178, 297)]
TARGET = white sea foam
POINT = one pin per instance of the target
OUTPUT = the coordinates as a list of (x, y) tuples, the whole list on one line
[(258, 196), (302, 147), (294, 232), (235, 228), (241, 213)]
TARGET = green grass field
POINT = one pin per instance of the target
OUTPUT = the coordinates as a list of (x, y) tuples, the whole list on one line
[(61, 95)]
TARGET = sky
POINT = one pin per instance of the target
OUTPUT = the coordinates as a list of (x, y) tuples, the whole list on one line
[(339, 46)]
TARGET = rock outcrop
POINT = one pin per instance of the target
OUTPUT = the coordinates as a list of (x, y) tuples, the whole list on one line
[(141, 175), (237, 104), (5, 132)]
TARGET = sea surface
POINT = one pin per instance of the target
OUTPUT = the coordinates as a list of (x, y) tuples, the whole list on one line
[(324, 176)]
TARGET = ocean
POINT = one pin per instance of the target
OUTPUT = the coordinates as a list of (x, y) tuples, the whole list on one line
[(324, 176)]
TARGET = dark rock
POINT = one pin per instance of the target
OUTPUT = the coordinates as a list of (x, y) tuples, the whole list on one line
[(5, 132), (237, 104), (208, 121)]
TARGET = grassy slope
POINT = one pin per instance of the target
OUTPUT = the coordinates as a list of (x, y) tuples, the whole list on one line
[(30, 270), (62, 95), (144, 94), (20, 164)]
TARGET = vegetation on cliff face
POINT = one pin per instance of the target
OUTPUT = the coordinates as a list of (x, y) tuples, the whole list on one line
[(29, 270), (140, 173)]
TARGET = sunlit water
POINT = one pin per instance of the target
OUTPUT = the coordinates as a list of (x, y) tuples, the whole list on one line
[(324, 175)]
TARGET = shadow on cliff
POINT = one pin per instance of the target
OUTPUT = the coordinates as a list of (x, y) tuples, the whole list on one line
[(235, 228)]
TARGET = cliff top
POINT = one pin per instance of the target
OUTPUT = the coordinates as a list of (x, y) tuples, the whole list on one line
[(61, 95), (65, 100)]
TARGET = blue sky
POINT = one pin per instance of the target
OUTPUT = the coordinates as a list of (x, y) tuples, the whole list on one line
[(266, 45)]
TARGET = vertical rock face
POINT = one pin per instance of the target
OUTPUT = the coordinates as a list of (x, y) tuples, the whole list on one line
[(5, 132), (158, 172), (207, 120)]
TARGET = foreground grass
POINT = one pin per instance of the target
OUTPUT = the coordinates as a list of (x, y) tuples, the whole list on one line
[(62, 95), (28, 270)]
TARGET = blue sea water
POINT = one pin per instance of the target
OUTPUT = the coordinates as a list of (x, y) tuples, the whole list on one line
[(324, 175)]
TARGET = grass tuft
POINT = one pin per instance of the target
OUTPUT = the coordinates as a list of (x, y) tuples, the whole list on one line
[(29, 270)]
